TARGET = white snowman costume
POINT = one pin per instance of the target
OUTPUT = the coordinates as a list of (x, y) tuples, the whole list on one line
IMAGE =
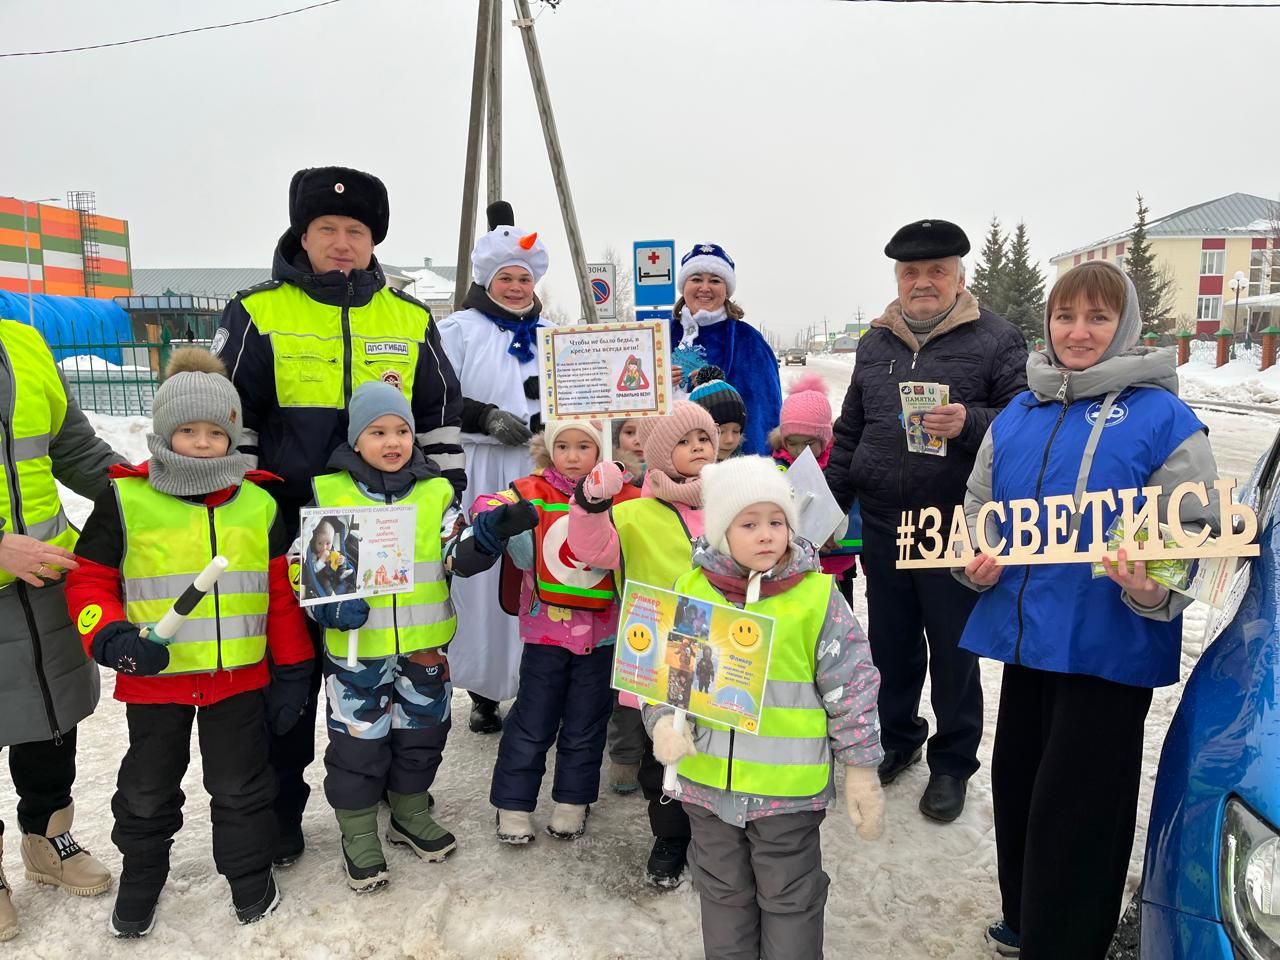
[(484, 658)]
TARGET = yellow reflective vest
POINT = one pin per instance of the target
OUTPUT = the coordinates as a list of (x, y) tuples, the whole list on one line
[(29, 497), (309, 344), (168, 540), (400, 622), (653, 541), (791, 756)]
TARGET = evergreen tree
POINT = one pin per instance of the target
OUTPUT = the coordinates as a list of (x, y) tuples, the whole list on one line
[(988, 276), (1023, 287), (1156, 289)]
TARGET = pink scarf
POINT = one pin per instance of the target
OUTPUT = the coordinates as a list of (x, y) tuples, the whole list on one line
[(688, 492)]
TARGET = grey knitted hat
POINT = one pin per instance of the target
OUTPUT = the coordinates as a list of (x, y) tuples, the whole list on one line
[(196, 388), (373, 400)]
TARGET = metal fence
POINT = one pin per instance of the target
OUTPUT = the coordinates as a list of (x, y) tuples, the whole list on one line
[(109, 373)]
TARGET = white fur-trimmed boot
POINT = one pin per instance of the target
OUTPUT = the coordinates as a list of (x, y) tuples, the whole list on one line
[(57, 859), (8, 916), (515, 827), (568, 821)]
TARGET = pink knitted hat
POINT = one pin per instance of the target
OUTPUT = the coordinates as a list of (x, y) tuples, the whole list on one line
[(807, 411), (659, 435)]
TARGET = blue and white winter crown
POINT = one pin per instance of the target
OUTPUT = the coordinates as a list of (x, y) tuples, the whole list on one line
[(708, 258)]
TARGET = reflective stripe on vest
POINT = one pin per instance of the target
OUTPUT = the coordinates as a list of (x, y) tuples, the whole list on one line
[(312, 354), (562, 579), (228, 627), (653, 540), (791, 756), (29, 499), (400, 622)]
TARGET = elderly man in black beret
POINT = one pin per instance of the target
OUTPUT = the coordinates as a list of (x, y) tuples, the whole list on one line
[(296, 347), (934, 332)]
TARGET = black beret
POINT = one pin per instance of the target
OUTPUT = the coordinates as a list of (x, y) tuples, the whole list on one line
[(927, 240), (338, 191)]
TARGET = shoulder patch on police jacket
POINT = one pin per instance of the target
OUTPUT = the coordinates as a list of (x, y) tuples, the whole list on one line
[(259, 287), (410, 298)]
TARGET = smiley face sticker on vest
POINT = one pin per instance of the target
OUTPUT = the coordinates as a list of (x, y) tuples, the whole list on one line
[(1119, 411), (639, 637), (88, 619), (744, 633)]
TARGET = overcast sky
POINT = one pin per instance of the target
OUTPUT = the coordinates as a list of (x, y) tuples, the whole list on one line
[(797, 133)]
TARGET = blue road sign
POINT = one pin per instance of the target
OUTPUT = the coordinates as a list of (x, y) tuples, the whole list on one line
[(664, 314), (655, 273)]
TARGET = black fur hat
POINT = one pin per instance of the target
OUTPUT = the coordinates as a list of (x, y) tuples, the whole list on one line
[(338, 191)]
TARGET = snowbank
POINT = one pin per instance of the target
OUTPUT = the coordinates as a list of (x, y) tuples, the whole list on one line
[(85, 363), (1239, 381)]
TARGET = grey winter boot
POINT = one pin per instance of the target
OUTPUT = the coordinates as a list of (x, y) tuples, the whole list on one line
[(57, 859), (8, 916), (413, 826), (361, 849)]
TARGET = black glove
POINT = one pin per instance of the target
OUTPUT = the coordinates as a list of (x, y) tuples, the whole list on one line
[(288, 695), (343, 615), (532, 388), (493, 528), (121, 646), (507, 428)]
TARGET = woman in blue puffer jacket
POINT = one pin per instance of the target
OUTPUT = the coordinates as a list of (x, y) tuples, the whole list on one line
[(1081, 654)]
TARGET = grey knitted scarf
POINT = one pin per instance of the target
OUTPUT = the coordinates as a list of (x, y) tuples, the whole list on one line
[(923, 328), (192, 476)]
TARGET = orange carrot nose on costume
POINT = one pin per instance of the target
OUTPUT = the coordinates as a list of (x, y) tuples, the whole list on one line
[(526, 243)]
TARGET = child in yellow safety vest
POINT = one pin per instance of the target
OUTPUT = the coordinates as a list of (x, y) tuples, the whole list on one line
[(568, 620), (626, 741), (149, 535), (756, 802), (389, 715), (650, 539)]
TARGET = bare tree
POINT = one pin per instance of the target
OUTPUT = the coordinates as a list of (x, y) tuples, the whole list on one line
[(622, 297)]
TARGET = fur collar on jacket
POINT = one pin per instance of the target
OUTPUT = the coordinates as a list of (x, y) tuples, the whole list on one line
[(964, 311)]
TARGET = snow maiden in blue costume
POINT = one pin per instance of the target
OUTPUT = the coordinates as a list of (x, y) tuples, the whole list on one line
[(707, 327)]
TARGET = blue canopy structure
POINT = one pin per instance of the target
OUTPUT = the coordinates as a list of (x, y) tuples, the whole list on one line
[(73, 326)]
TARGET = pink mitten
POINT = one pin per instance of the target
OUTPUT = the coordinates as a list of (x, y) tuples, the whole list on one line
[(604, 482)]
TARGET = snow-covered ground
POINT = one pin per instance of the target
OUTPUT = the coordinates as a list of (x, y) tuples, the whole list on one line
[(923, 891)]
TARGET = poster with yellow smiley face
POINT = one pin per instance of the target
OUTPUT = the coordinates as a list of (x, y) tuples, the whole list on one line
[(708, 659)]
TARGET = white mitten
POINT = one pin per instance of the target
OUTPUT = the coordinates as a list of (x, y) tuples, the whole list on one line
[(604, 482), (865, 800), (668, 746)]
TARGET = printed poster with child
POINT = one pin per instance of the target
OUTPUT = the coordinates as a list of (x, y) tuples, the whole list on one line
[(708, 659), (350, 552), (917, 400), (605, 371)]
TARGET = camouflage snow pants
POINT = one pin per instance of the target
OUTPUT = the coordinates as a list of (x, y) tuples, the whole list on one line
[(388, 720)]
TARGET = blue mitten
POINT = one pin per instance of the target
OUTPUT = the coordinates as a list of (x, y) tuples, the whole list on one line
[(343, 615), (122, 647)]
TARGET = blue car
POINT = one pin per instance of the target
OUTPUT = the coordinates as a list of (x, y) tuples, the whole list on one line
[(1211, 881)]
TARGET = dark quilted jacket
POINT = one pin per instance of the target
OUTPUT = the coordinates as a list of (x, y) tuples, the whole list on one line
[(983, 361)]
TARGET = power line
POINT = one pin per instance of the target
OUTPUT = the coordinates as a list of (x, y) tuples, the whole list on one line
[(1194, 4), (175, 33)]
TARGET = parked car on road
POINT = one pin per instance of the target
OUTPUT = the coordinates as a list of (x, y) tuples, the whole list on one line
[(796, 355), (1211, 880)]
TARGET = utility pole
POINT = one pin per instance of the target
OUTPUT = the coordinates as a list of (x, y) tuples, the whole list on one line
[(471, 174), (494, 100), (556, 156)]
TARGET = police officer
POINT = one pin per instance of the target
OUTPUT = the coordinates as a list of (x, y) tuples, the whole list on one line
[(935, 331), (297, 346), (47, 684)]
